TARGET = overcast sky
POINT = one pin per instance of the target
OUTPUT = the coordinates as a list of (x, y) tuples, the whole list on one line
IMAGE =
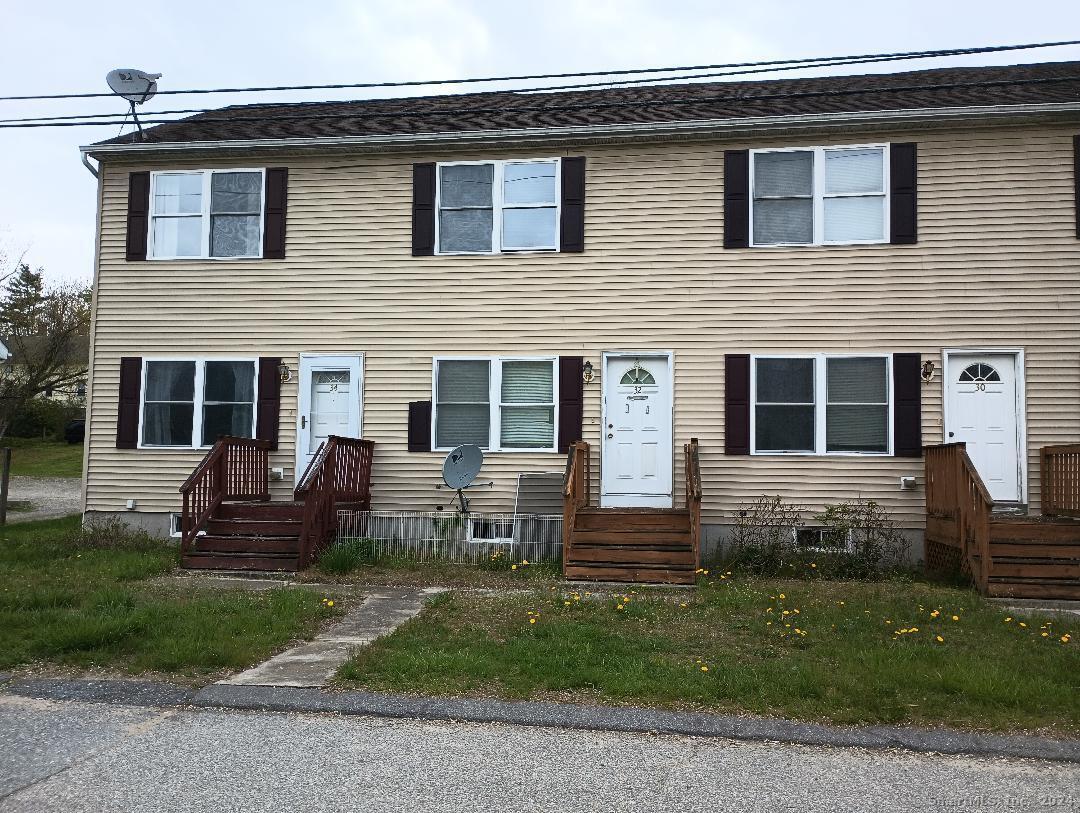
[(48, 197)]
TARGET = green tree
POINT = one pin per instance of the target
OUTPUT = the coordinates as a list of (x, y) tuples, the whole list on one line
[(23, 305)]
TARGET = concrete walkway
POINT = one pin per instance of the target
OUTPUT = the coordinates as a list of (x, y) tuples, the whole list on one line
[(315, 662)]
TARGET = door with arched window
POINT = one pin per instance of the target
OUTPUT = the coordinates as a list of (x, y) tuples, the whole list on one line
[(983, 409), (636, 466)]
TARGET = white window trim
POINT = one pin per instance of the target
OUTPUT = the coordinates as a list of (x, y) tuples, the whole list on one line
[(495, 401), (204, 215), (818, 196), (821, 403), (497, 206), (200, 378)]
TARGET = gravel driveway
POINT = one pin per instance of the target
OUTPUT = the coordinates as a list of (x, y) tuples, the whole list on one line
[(50, 496)]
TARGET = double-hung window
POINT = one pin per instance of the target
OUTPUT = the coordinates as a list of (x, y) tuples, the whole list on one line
[(206, 213), (505, 404), (821, 404), (820, 195), (498, 206), (191, 403)]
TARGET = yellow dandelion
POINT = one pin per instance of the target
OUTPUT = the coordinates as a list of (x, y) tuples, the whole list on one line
[(813, 565), (956, 618), (1022, 624), (768, 623), (699, 570), (841, 604), (329, 604), (1008, 619), (728, 573), (782, 596), (513, 567), (939, 639), (796, 611), (532, 620), (934, 614), (566, 603), (914, 629), (704, 668), (618, 606), (787, 612), (1065, 639), (705, 572), (683, 604)]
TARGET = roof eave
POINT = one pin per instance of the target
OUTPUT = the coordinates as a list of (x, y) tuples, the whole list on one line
[(730, 127)]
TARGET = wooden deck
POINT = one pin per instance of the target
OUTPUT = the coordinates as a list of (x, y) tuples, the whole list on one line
[(649, 545), (1005, 555), (229, 522)]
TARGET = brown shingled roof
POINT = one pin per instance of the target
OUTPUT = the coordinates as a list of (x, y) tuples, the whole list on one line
[(1044, 83)]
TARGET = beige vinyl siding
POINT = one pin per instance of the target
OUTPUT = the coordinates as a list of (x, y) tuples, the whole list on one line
[(997, 265)]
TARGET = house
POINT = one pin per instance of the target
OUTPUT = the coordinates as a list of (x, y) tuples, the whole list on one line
[(67, 382), (814, 278)]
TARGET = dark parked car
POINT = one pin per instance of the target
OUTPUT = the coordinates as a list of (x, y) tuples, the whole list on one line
[(75, 431)]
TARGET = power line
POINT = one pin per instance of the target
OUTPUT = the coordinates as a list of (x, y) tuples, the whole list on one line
[(836, 62), (638, 103), (521, 77)]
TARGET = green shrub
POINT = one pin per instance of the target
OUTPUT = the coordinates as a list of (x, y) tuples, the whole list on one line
[(44, 418), (112, 534), (346, 555)]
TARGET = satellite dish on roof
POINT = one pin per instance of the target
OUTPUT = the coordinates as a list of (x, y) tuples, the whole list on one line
[(461, 466), (132, 84)]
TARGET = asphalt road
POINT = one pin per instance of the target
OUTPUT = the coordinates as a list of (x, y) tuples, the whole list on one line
[(74, 756)]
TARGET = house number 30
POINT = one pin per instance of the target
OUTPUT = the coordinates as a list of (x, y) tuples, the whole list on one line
[(981, 387)]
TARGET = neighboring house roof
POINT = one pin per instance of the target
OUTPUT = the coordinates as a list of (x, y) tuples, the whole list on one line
[(1015, 85)]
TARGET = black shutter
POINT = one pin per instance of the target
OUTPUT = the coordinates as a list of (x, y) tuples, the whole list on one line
[(127, 414), (736, 198), (423, 210), (274, 202), (269, 406), (138, 216), (1076, 181), (420, 426), (737, 404), (572, 219), (907, 404), (903, 197), (571, 400)]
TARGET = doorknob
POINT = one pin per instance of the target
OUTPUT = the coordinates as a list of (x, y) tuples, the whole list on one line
[(610, 435), (951, 434)]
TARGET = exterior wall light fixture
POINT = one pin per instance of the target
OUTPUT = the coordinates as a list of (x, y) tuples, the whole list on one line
[(284, 372), (587, 372)]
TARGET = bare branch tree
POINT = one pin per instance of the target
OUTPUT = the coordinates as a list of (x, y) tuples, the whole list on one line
[(44, 329)]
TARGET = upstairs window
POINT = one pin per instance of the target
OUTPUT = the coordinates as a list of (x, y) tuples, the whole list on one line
[(819, 196), (821, 404), (497, 206), (206, 213), (502, 404), (191, 403)]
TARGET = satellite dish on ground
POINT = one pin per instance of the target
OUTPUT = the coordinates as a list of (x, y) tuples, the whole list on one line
[(461, 466), (132, 84)]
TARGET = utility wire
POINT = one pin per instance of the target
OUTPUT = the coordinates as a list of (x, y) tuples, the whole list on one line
[(836, 62), (552, 108), (806, 62)]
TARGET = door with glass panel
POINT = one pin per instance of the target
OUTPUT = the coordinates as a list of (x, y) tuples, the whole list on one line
[(330, 403), (636, 467)]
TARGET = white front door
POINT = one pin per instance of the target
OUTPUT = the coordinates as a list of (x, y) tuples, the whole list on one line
[(331, 389), (635, 470), (982, 411)]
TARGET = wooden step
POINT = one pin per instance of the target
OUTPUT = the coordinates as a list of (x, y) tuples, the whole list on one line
[(260, 510), (1040, 588), (680, 557), (1034, 531), (222, 561), (632, 519), (647, 575), (1031, 550), (254, 527), (1044, 569), (678, 539), (210, 543)]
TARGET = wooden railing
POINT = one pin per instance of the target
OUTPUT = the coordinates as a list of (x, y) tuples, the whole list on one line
[(692, 463), (958, 507), (575, 489), (234, 469), (1060, 480), (340, 472)]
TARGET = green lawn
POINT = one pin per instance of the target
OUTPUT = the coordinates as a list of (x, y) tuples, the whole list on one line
[(40, 458), (844, 652), (82, 600)]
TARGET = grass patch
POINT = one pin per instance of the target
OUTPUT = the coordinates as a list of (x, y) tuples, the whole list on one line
[(351, 561), (854, 653), (79, 598), (41, 458)]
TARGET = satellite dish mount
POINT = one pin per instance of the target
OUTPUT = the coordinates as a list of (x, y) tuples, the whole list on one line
[(138, 87), (460, 469)]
